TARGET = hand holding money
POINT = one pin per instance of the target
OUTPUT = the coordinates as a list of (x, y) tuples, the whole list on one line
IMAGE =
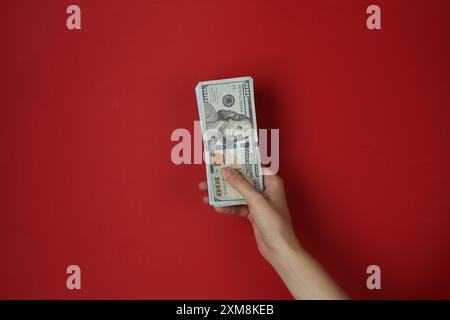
[(269, 215), (228, 123), (234, 173), (267, 211)]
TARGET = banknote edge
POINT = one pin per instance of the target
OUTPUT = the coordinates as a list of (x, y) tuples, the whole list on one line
[(210, 82)]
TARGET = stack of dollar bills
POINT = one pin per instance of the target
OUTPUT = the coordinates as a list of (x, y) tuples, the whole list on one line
[(228, 123)]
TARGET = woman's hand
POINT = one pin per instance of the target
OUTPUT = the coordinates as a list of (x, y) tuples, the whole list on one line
[(267, 211)]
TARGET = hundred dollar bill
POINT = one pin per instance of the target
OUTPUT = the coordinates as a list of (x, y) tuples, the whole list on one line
[(228, 122)]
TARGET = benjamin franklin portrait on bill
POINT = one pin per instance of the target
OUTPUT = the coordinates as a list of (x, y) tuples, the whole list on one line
[(226, 126)]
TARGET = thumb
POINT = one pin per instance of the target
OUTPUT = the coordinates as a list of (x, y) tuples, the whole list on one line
[(238, 182)]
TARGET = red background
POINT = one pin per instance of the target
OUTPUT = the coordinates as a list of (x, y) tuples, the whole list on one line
[(86, 117)]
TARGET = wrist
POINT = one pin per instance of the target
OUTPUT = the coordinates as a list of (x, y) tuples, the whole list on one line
[(285, 254)]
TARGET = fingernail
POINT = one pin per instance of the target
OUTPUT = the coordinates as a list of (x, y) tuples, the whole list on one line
[(228, 172)]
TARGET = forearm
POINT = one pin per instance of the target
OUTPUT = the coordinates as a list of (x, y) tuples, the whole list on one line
[(304, 276)]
